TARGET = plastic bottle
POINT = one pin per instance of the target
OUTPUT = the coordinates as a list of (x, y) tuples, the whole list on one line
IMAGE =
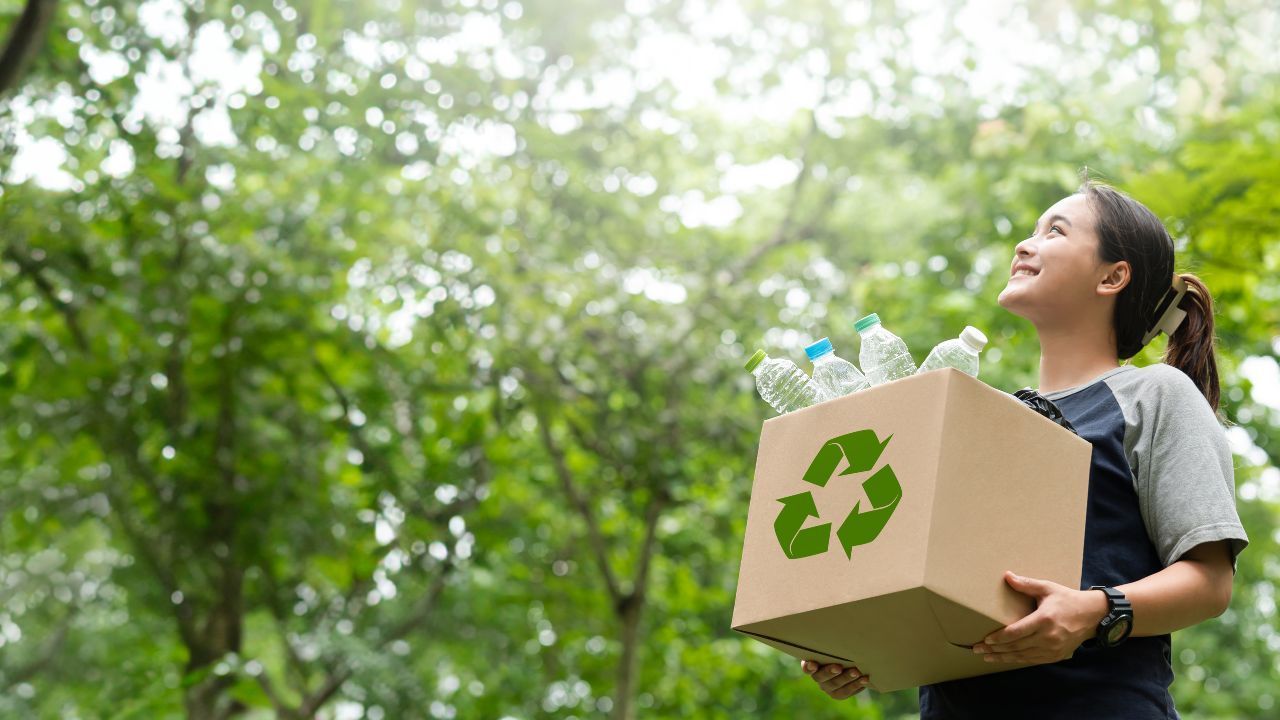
[(832, 375), (960, 353), (884, 357), (781, 383)]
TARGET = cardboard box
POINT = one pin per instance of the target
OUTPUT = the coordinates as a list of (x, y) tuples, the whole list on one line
[(926, 490)]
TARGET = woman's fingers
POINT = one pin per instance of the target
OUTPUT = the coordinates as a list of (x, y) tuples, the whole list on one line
[(826, 674), (840, 680), (837, 681), (849, 690)]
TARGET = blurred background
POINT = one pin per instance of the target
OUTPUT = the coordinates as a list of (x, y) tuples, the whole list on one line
[(383, 359)]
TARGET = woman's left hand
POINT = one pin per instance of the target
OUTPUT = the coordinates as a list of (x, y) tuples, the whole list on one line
[(1064, 617)]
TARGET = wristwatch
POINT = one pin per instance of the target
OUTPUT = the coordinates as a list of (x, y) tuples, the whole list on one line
[(1118, 623)]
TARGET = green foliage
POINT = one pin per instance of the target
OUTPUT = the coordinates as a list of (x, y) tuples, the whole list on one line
[(421, 394)]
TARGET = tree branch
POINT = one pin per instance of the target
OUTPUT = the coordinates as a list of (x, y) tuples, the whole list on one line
[(224, 622), (24, 42), (34, 271), (357, 435), (46, 655), (585, 439), (783, 233), (652, 512), (186, 136), (168, 582), (342, 672), (293, 661), (595, 537), (283, 709)]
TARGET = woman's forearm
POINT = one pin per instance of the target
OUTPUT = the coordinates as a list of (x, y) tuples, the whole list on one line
[(1187, 592), (1191, 590)]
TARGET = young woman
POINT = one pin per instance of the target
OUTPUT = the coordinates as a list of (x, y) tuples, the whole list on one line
[(1097, 280)]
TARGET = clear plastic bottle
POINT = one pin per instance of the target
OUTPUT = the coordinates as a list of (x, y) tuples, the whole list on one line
[(884, 357), (960, 353), (832, 375), (781, 383)]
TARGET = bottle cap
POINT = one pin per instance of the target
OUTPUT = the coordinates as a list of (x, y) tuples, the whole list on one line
[(818, 349), (755, 360), (866, 322), (973, 337)]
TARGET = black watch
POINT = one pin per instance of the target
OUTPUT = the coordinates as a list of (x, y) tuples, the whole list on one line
[(1117, 625)]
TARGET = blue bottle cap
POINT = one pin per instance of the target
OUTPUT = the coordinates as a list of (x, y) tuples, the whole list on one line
[(818, 349)]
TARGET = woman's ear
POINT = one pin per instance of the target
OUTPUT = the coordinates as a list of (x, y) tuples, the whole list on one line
[(1117, 278)]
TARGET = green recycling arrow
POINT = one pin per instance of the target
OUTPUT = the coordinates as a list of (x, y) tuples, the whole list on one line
[(861, 448), (862, 526), (864, 522), (797, 543)]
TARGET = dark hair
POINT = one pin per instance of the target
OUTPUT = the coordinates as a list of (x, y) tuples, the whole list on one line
[(1128, 231)]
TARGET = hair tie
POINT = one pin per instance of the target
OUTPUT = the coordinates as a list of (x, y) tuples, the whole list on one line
[(1168, 315)]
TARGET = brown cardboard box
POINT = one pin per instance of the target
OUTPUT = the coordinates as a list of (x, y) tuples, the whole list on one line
[(938, 483)]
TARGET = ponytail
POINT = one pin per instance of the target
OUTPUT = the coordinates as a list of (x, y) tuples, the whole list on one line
[(1156, 299), (1191, 347)]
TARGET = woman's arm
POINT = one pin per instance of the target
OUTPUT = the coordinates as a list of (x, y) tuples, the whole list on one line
[(1193, 589)]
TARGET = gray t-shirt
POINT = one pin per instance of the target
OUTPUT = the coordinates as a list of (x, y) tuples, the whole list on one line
[(1179, 457)]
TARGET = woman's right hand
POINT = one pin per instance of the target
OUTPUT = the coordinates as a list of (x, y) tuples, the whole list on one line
[(836, 681)]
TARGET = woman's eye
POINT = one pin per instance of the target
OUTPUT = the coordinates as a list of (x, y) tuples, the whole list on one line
[(1056, 229)]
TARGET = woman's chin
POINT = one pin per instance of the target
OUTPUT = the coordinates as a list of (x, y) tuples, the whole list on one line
[(1013, 299), (1015, 302), (1008, 298)]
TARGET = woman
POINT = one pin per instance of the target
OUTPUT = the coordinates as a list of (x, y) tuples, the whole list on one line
[(1096, 279)]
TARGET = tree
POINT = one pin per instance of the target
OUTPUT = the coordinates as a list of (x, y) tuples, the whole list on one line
[(396, 371)]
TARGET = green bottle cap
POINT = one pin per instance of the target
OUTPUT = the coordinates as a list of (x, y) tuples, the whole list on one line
[(755, 360), (866, 322)]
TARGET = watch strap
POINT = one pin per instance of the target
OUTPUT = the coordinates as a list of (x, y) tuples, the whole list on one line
[(1117, 604), (1114, 596)]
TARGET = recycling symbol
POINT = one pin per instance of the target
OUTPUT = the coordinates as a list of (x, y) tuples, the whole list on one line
[(863, 523)]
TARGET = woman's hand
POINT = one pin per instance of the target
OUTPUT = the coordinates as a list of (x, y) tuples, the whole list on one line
[(835, 680), (1063, 618)]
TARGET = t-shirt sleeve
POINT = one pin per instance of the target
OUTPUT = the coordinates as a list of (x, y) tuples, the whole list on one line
[(1185, 474)]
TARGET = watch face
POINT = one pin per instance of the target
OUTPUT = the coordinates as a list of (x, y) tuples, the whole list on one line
[(1116, 632)]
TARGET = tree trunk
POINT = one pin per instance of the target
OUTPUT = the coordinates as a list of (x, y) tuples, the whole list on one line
[(629, 613), (208, 698)]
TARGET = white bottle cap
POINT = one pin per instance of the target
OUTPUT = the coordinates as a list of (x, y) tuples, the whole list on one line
[(973, 337)]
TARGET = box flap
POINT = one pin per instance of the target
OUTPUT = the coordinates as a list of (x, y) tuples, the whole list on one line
[(883, 636)]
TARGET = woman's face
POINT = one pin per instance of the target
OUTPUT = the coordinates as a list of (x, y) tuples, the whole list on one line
[(1056, 273)]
